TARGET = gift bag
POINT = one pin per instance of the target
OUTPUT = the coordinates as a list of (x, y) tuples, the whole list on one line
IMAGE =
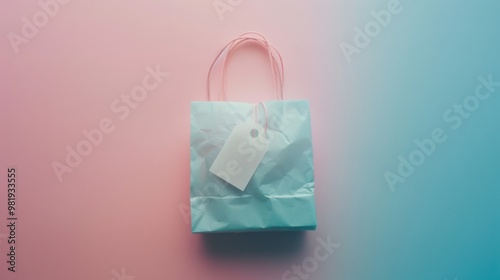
[(251, 164)]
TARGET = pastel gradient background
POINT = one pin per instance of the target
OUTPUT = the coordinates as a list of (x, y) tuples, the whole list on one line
[(122, 210)]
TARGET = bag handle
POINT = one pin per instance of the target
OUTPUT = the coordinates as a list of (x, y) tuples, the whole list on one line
[(276, 64)]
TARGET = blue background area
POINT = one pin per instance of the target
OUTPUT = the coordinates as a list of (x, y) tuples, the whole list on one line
[(443, 221)]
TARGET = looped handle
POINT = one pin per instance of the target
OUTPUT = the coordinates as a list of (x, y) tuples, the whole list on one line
[(276, 64), (255, 114)]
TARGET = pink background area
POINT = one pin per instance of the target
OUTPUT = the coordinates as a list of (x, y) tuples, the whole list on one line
[(120, 207)]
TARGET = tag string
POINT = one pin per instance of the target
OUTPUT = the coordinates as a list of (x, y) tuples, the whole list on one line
[(255, 113), (274, 57)]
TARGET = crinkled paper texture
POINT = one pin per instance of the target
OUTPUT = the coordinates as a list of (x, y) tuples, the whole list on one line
[(280, 195)]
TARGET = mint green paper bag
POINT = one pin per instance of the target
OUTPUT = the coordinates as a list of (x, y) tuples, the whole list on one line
[(280, 192)]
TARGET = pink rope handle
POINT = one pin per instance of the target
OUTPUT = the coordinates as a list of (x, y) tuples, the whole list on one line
[(278, 81), (255, 116), (277, 69)]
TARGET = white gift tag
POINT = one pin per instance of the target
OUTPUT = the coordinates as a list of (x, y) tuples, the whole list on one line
[(241, 154)]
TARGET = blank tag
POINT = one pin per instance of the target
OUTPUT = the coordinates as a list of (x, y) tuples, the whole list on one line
[(241, 154)]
